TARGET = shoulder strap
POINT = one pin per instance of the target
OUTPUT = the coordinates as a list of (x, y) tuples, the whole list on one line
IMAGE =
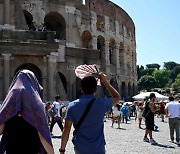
[(83, 116)]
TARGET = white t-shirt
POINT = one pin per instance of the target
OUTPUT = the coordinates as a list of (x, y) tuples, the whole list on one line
[(57, 104), (115, 111), (173, 109)]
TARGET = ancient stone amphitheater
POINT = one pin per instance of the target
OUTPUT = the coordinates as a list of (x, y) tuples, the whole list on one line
[(52, 37)]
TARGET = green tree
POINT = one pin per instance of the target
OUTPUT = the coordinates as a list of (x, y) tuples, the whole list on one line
[(176, 70), (170, 65), (147, 71), (154, 66), (139, 71), (161, 77), (176, 84), (146, 82)]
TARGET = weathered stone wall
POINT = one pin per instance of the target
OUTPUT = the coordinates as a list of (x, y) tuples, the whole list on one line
[(62, 34)]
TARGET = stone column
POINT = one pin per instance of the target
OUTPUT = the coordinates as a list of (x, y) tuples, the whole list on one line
[(107, 61), (6, 72), (117, 56), (7, 11), (50, 76)]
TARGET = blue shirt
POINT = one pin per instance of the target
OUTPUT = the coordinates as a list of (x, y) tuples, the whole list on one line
[(90, 136)]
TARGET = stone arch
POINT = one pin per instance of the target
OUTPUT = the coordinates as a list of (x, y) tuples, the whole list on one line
[(112, 51), (123, 90), (78, 89), (86, 39), (56, 22), (114, 83), (101, 48), (63, 80), (35, 69), (29, 20), (121, 56)]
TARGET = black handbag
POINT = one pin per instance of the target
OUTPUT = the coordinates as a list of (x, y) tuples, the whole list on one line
[(83, 116)]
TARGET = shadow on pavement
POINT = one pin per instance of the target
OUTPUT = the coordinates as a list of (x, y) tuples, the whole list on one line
[(164, 146), (121, 128)]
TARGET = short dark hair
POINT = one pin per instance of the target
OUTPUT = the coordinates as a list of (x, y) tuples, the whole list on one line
[(152, 95), (89, 85), (171, 98), (57, 97)]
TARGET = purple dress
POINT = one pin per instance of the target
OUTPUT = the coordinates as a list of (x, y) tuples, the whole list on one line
[(24, 98)]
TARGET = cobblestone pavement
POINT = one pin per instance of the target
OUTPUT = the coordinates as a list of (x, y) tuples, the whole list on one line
[(128, 139)]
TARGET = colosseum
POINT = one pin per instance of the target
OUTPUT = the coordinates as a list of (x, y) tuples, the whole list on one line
[(52, 37)]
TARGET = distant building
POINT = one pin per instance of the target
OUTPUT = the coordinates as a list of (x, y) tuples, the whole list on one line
[(52, 37)]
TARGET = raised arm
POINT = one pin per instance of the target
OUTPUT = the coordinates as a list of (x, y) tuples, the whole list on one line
[(112, 91)]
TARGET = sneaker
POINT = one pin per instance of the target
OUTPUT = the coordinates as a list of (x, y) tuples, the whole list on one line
[(153, 142), (156, 128), (172, 141), (146, 139)]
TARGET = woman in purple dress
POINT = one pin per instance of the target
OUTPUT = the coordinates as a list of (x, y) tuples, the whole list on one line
[(23, 121)]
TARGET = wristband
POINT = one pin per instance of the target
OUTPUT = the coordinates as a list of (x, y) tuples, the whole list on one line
[(61, 150)]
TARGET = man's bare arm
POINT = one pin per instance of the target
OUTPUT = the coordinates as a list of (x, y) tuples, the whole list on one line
[(112, 91), (65, 135)]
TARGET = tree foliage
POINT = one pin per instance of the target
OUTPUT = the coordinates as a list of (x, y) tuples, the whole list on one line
[(176, 84), (176, 70), (146, 82), (147, 71), (154, 66), (170, 65), (161, 77)]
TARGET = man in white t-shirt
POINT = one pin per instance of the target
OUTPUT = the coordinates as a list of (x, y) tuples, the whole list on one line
[(172, 110), (57, 117)]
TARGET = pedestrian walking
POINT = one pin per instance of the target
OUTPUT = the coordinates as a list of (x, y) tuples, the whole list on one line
[(89, 135), (23, 122), (173, 112), (140, 109), (116, 115), (56, 118), (149, 111)]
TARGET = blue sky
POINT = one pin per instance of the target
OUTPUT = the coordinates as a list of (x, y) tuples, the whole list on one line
[(157, 25)]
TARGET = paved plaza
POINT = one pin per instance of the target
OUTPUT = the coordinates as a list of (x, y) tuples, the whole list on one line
[(128, 139)]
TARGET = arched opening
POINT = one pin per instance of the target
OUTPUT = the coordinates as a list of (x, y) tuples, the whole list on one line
[(78, 88), (29, 20), (114, 83), (101, 47), (123, 91), (121, 56), (63, 80), (32, 68), (86, 39), (56, 22), (112, 51), (100, 23)]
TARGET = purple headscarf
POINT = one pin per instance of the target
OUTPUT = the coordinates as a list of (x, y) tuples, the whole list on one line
[(24, 98)]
